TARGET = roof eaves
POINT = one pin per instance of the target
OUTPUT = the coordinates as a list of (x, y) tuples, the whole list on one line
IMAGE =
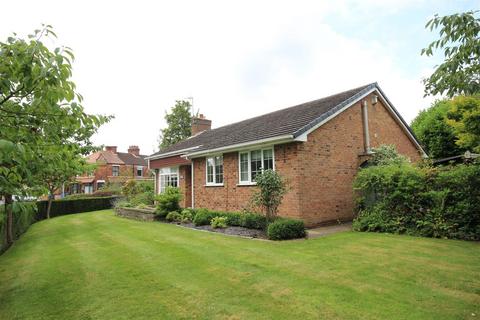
[(240, 146), (171, 153)]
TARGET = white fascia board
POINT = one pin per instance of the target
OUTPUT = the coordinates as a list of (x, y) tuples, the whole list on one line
[(303, 136), (172, 153), (241, 146)]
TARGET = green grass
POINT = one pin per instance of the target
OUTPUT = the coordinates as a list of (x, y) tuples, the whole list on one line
[(99, 266)]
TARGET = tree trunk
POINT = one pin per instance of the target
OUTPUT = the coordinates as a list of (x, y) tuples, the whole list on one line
[(50, 196), (9, 213)]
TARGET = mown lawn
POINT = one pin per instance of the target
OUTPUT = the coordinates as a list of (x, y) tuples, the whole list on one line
[(99, 266)]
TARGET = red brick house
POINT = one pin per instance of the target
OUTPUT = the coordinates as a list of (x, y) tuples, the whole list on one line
[(113, 166), (317, 146)]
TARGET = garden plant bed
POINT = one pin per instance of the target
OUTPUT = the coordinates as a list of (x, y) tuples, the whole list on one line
[(234, 231)]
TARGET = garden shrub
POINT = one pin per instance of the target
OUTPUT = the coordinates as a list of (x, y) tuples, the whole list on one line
[(139, 192), (234, 219), (424, 201), (219, 222), (174, 216), (205, 216), (168, 201), (284, 229), (246, 220), (254, 221), (187, 215)]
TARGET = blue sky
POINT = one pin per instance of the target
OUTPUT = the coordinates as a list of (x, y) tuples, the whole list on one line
[(238, 59)]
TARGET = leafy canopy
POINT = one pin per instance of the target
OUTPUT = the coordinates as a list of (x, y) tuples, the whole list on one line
[(179, 122), (43, 125), (459, 39), (464, 118), (435, 134)]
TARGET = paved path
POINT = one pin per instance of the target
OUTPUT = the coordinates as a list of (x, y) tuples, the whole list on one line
[(324, 231)]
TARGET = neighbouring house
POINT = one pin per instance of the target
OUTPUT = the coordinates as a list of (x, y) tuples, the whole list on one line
[(112, 167), (316, 146)]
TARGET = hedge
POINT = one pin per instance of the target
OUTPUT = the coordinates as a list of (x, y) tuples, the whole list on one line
[(23, 217), (422, 201), (68, 206)]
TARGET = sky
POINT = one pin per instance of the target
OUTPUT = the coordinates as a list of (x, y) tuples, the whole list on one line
[(237, 59)]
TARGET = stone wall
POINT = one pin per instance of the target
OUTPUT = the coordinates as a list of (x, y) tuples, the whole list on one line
[(136, 214)]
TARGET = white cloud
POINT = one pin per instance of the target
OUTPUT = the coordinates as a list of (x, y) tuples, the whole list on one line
[(134, 59)]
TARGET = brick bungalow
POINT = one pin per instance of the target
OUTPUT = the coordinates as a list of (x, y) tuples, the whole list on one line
[(317, 146), (113, 167)]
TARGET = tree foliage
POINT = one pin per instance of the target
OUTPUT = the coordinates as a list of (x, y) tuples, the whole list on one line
[(41, 113), (179, 124), (435, 134), (459, 39), (272, 188), (464, 118)]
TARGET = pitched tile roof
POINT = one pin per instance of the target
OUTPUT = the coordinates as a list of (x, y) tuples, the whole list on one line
[(289, 121), (117, 158)]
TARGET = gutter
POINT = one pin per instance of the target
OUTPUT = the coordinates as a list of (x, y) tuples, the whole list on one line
[(171, 153), (239, 146)]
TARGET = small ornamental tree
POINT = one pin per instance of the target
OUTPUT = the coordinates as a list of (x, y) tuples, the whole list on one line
[(272, 188)]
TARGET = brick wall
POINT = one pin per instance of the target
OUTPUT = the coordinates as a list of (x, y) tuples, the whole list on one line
[(319, 172), (329, 160)]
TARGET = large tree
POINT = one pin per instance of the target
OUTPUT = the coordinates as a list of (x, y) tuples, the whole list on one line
[(179, 124), (464, 118), (435, 134), (40, 109), (459, 39)]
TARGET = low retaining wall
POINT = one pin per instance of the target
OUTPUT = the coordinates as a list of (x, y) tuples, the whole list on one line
[(136, 214)]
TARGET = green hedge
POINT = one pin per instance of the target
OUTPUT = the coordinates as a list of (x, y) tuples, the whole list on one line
[(23, 216), (284, 229), (69, 206), (423, 201)]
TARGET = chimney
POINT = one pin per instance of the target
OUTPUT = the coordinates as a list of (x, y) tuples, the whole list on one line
[(200, 124), (135, 150), (111, 149)]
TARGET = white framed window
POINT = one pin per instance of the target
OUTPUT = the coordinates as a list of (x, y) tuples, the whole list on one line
[(214, 170), (168, 178), (115, 171), (253, 162), (139, 171)]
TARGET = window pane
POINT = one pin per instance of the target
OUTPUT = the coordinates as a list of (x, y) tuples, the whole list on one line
[(219, 169), (210, 164), (255, 163), (267, 159), (243, 166)]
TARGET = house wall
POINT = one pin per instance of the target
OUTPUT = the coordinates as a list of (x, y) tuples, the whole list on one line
[(234, 197), (319, 172), (329, 160)]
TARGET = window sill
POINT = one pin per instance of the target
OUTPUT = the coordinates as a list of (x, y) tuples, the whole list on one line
[(246, 184), (214, 185)]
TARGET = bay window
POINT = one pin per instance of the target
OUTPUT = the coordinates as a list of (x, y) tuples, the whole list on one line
[(254, 162), (168, 178), (215, 170)]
